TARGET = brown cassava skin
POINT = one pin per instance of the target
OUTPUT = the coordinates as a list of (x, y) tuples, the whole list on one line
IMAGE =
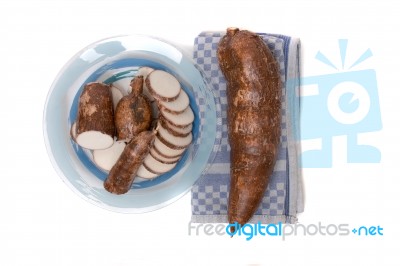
[(170, 145), (95, 109), (165, 125), (133, 112), (122, 174), (254, 118)]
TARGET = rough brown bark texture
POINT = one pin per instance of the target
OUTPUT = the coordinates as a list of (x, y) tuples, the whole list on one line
[(95, 109), (254, 118), (122, 174), (133, 112)]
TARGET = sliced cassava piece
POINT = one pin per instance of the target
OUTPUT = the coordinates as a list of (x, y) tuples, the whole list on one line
[(72, 131), (165, 150), (123, 85), (159, 157), (174, 142), (145, 71), (95, 122), (182, 120), (116, 96), (105, 159), (163, 86), (178, 105), (123, 173), (143, 172), (133, 112), (157, 167), (174, 130)]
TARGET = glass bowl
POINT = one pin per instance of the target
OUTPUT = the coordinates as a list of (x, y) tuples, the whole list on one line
[(111, 60)]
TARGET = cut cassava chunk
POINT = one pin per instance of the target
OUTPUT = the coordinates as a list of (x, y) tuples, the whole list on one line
[(133, 112), (174, 142), (157, 167), (143, 172), (174, 130), (122, 174), (178, 105), (163, 86), (165, 150), (161, 158), (254, 118), (105, 159), (145, 71), (95, 121), (183, 119)]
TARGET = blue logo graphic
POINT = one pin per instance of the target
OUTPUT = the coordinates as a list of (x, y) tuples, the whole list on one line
[(368, 231), (345, 103), (251, 230)]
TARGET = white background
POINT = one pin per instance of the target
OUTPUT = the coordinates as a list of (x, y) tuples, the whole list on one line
[(44, 223)]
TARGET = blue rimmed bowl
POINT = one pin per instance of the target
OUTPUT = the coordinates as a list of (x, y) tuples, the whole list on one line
[(108, 61)]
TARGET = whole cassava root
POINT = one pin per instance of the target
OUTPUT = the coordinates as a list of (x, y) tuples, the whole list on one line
[(254, 118), (123, 172), (133, 112), (95, 120)]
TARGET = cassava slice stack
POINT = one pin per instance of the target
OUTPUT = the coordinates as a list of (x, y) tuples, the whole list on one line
[(174, 126), (254, 118)]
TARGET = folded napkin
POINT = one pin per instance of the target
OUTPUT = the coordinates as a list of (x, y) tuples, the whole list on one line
[(283, 199)]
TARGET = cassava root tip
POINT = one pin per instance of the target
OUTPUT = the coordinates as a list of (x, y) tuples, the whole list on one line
[(232, 31)]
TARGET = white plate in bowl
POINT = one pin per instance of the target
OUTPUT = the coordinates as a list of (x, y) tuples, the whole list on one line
[(110, 60)]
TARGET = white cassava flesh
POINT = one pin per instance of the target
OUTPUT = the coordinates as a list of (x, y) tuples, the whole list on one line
[(123, 85), (176, 131), (106, 158), (161, 158), (116, 95), (178, 105), (165, 150), (183, 119), (163, 86), (94, 140), (145, 71), (172, 141), (155, 166), (144, 173)]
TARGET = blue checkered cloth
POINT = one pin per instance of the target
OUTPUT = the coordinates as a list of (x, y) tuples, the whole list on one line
[(283, 199)]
